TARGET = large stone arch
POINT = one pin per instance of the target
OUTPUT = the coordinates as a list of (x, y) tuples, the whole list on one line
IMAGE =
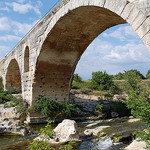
[(75, 24), (13, 77)]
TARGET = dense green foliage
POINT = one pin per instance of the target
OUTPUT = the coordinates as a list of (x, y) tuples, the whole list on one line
[(106, 109), (119, 76), (101, 81), (148, 74), (9, 100), (44, 145), (132, 78), (6, 96), (47, 130), (76, 85), (77, 78), (134, 72), (139, 104), (40, 145), (51, 108), (18, 104), (77, 82), (116, 84)]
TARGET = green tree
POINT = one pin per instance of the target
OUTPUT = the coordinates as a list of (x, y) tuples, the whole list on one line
[(52, 108), (148, 74), (77, 78), (118, 76), (134, 72), (132, 77), (101, 81), (139, 103)]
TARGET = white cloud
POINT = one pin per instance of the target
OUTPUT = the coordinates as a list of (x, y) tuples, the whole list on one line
[(22, 28), (128, 53), (4, 24), (4, 9), (21, 8), (122, 33), (10, 38), (103, 55), (24, 8), (4, 50), (21, 1), (7, 24)]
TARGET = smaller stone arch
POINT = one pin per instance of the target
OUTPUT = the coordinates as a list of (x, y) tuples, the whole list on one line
[(26, 59), (13, 77)]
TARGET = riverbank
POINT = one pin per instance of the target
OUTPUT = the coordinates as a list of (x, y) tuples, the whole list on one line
[(118, 135)]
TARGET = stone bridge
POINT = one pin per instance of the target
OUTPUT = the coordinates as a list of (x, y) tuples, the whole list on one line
[(43, 63)]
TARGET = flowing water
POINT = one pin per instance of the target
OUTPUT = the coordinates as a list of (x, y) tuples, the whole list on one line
[(17, 142)]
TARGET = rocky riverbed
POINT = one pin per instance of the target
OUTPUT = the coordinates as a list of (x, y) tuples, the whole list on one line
[(111, 134), (93, 131)]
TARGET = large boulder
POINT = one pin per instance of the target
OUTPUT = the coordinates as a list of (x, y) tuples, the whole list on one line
[(136, 145), (9, 121), (64, 132), (12, 127), (8, 113), (118, 97), (95, 131)]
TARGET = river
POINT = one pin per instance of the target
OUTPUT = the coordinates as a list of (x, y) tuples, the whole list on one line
[(119, 128)]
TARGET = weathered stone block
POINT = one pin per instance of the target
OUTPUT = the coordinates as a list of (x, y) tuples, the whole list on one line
[(138, 21), (115, 6), (126, 12), (133, 15), (144, 28)]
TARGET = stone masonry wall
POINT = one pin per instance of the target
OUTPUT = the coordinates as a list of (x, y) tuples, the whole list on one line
[(57, 42)]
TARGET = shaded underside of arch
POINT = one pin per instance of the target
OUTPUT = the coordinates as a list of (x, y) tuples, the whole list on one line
[(64, 46), (13, 77)]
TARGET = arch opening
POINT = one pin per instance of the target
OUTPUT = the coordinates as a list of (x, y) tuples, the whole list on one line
[(64, 46), (26, 60), (13, 77)]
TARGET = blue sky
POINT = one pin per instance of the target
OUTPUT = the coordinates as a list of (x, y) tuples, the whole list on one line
[(115, 50)]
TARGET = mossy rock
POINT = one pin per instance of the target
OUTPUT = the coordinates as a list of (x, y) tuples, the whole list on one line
[(123, 138)]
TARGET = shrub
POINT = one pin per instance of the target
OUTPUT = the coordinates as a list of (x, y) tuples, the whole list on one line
[(114, 89), (134, 73), (105, 109), (50, 107), (101, 81), (75, 85), (77, 78), (132, 78), (6, 96), (98, 109), (148, 74), (44, 145), (139, 104), (119, 76)]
